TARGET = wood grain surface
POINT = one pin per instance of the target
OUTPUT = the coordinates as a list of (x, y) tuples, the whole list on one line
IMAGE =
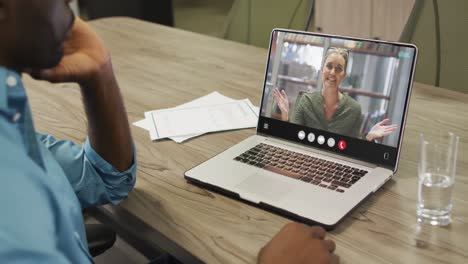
[(159, 67)]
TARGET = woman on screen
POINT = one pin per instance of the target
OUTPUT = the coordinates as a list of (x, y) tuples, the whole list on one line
[(329, 109)]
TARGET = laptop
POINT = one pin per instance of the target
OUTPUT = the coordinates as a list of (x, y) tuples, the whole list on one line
[(330, 127)]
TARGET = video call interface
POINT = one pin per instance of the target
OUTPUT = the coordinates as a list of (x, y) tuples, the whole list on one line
[(347, 87)]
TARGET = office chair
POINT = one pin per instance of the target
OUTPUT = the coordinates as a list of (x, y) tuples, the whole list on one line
[(159, 11), (438, 29), (251, 21), (100, 238)]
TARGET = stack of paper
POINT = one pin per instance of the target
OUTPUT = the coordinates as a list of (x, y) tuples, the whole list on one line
[(210, 113)]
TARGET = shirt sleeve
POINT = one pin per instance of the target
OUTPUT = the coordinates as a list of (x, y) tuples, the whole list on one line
[(94, 180)]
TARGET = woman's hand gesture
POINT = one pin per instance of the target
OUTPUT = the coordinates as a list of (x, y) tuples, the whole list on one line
[(282, 100), (380, 130)]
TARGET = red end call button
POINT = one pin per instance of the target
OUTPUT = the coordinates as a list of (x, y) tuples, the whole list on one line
[(342, 145)]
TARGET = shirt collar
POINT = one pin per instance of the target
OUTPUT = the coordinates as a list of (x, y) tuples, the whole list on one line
[(8, 80)]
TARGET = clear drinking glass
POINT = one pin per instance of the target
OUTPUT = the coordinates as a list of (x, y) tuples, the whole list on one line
[(436, 172)]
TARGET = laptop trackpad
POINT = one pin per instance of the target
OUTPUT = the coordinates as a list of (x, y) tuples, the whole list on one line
[(258, 187)]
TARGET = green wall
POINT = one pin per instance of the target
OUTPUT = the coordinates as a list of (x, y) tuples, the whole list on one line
[(251, 21), (453, 16)]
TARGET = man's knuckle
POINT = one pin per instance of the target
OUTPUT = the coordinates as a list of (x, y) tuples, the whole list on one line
[(290, 226)]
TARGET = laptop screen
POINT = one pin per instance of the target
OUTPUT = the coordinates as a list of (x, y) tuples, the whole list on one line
[(344, 95)]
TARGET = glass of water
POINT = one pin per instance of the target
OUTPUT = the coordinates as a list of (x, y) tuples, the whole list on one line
[(436, 172)]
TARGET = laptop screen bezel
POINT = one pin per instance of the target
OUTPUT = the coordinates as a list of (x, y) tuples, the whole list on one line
[(358, 149)]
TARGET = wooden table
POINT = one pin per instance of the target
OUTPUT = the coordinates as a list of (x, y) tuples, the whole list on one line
[(159, 67)]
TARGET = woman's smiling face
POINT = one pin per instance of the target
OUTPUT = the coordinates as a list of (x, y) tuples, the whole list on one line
[(333, 71)]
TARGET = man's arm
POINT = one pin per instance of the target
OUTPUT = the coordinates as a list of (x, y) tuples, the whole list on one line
[(94, 180), (88, 63), (108, 129), (103, 170)]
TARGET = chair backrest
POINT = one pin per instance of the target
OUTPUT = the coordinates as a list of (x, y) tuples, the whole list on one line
[(158, 11), (251, 21), (443, 65)]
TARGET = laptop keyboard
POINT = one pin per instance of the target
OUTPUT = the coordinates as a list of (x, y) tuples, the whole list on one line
[(326, 174)]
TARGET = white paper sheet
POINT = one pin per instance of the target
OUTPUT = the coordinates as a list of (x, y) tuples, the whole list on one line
[(144, 123), (213, 98), (202, 119)]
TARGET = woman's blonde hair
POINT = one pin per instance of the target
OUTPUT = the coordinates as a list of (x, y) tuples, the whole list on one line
[(340, 51)]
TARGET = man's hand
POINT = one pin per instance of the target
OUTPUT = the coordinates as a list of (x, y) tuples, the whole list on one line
[(84, 60), (298, 243)]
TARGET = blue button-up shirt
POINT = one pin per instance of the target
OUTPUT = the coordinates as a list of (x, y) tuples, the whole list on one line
[(45, 183)]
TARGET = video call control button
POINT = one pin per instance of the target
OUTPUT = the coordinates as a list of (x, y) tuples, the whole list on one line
[(311, 137), (321, 140), (342, 145), (331, 142), (301, 135)]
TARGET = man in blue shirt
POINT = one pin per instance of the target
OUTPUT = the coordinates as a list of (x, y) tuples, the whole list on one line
[(45, 182)]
